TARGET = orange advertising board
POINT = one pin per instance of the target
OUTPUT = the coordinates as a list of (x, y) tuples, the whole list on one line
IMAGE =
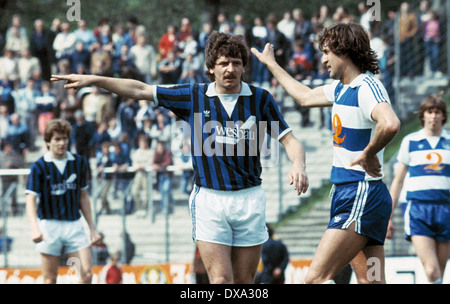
[(173, 273)]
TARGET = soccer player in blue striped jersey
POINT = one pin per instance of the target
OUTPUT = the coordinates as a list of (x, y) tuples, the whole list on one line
[(425, 155), (58, 181), (229, 120), (363, 124)]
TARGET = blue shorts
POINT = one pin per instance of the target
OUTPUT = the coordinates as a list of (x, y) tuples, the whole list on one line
[(428, 219), (368, 204)]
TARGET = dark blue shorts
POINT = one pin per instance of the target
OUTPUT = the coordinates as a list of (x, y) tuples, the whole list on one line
[(368, 204), (431, 219)]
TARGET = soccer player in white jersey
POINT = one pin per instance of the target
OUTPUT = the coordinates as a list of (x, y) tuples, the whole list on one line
[(363, 124), (425, 155), (228, 115)]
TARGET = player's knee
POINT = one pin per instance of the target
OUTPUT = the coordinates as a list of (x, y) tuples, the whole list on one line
[(50, 280), (86, 277), (221, 280), (432, 273)]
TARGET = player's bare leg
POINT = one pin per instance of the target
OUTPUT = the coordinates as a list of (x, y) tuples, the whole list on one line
[(217, 261), (368, 265), (432, 254), (84, 271), (245, 261), (49, 266), (336, 249), (229, 265)]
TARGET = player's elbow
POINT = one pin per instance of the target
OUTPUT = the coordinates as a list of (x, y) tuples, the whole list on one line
[(392, 126)]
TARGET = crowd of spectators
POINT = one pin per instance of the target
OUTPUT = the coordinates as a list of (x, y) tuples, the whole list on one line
[(105, 122)]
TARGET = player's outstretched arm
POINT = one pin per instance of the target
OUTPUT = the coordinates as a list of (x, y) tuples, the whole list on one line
[(302, 94), (128, 88), (296, 153)]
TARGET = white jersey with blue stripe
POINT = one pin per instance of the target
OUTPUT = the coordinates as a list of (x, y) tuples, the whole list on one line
[(353, 126), (428, 160)]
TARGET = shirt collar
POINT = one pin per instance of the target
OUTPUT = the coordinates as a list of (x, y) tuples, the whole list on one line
[(357, 80), (48, 157), (245, 90)]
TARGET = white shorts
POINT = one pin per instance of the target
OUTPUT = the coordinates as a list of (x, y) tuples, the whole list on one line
[(61, 234), (232, 218)]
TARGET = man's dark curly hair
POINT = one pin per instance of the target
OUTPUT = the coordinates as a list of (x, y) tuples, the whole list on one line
[(352, 41), (228, 45)]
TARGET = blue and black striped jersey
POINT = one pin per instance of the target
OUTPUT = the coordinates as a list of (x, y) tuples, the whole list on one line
[(226, 149), (59, 193)]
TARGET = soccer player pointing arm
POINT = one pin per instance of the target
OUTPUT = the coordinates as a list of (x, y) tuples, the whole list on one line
[(227, 203), (363, 124)]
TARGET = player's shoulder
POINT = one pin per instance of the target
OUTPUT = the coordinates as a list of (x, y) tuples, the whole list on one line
[(415, 136)]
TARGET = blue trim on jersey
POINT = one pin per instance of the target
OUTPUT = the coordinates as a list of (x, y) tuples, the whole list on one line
[(375, 88)]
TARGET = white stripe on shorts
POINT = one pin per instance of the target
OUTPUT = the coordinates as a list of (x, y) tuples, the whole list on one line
[(358, 206)]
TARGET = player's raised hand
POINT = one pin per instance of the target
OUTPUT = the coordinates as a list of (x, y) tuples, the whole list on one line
[(267, 54), (73, 81)]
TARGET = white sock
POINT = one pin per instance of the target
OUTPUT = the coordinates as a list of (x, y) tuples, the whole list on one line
[(329, 282)]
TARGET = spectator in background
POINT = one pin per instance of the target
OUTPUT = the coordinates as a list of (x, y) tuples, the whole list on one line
[(168, 41), (123, 64), (83, 137), (287, 26), (278, 40), (144, 57), (46, 106), (41, 47), (275, 258), (260, 73), (10, 159), (18, 136), (432, 39), (121, 37), (85, 35), (407, 31), (4, 123), (142, 159), (114, 129), (69, 105), (104, 160), (97, 106), (126, 112), (25, 106), (101, 136), (303, 27), (16, 23), (64, 42), (80, 56), (170, 69), (101, 60), (17, 43), (161, 129), (161, 160), (7, 93), (144, 112), (130, 248), (8, 65), (113, 272), (27, 65)]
